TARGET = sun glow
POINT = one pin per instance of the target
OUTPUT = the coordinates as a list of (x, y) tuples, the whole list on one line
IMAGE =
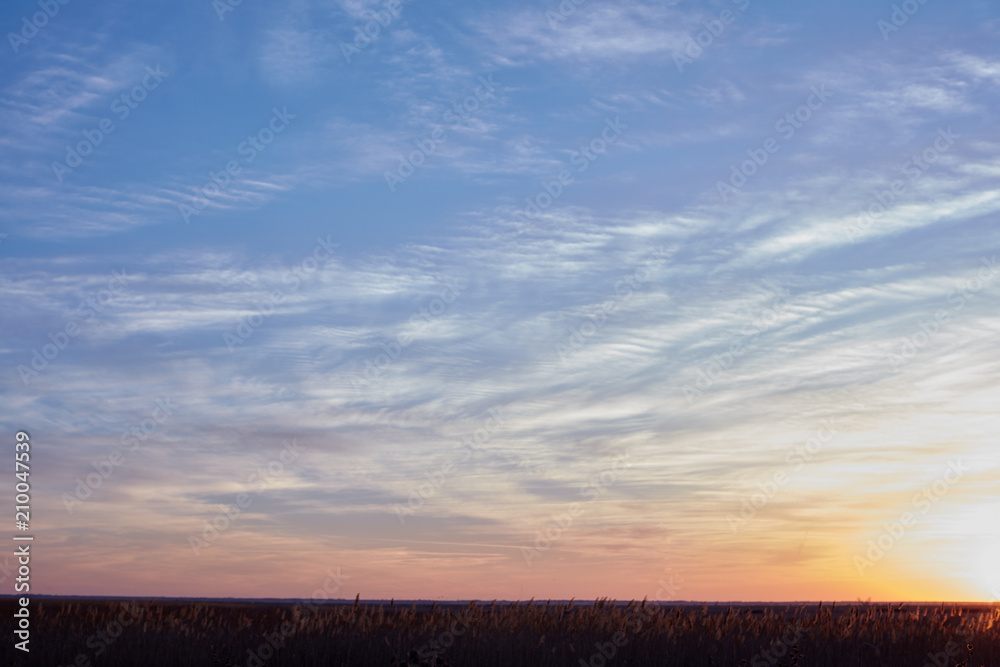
[(980, 531), (986, 567)]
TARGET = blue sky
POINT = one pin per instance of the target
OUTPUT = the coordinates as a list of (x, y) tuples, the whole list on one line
[(752, 222)]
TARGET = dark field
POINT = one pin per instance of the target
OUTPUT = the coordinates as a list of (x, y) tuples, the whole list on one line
[(155, 633)]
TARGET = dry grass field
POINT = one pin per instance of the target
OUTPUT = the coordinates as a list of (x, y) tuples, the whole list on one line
[(601, 633)]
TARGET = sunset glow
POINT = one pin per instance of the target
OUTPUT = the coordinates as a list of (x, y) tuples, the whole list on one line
[(506, 304)]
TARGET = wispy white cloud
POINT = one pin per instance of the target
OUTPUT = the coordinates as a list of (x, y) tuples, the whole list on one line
[(637, 312), (594, 32), (44, 104), (291, 56)]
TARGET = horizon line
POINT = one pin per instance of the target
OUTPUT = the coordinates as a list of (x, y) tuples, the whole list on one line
[(5, 596)]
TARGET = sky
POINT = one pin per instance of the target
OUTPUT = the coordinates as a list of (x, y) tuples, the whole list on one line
[(509, 300)]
